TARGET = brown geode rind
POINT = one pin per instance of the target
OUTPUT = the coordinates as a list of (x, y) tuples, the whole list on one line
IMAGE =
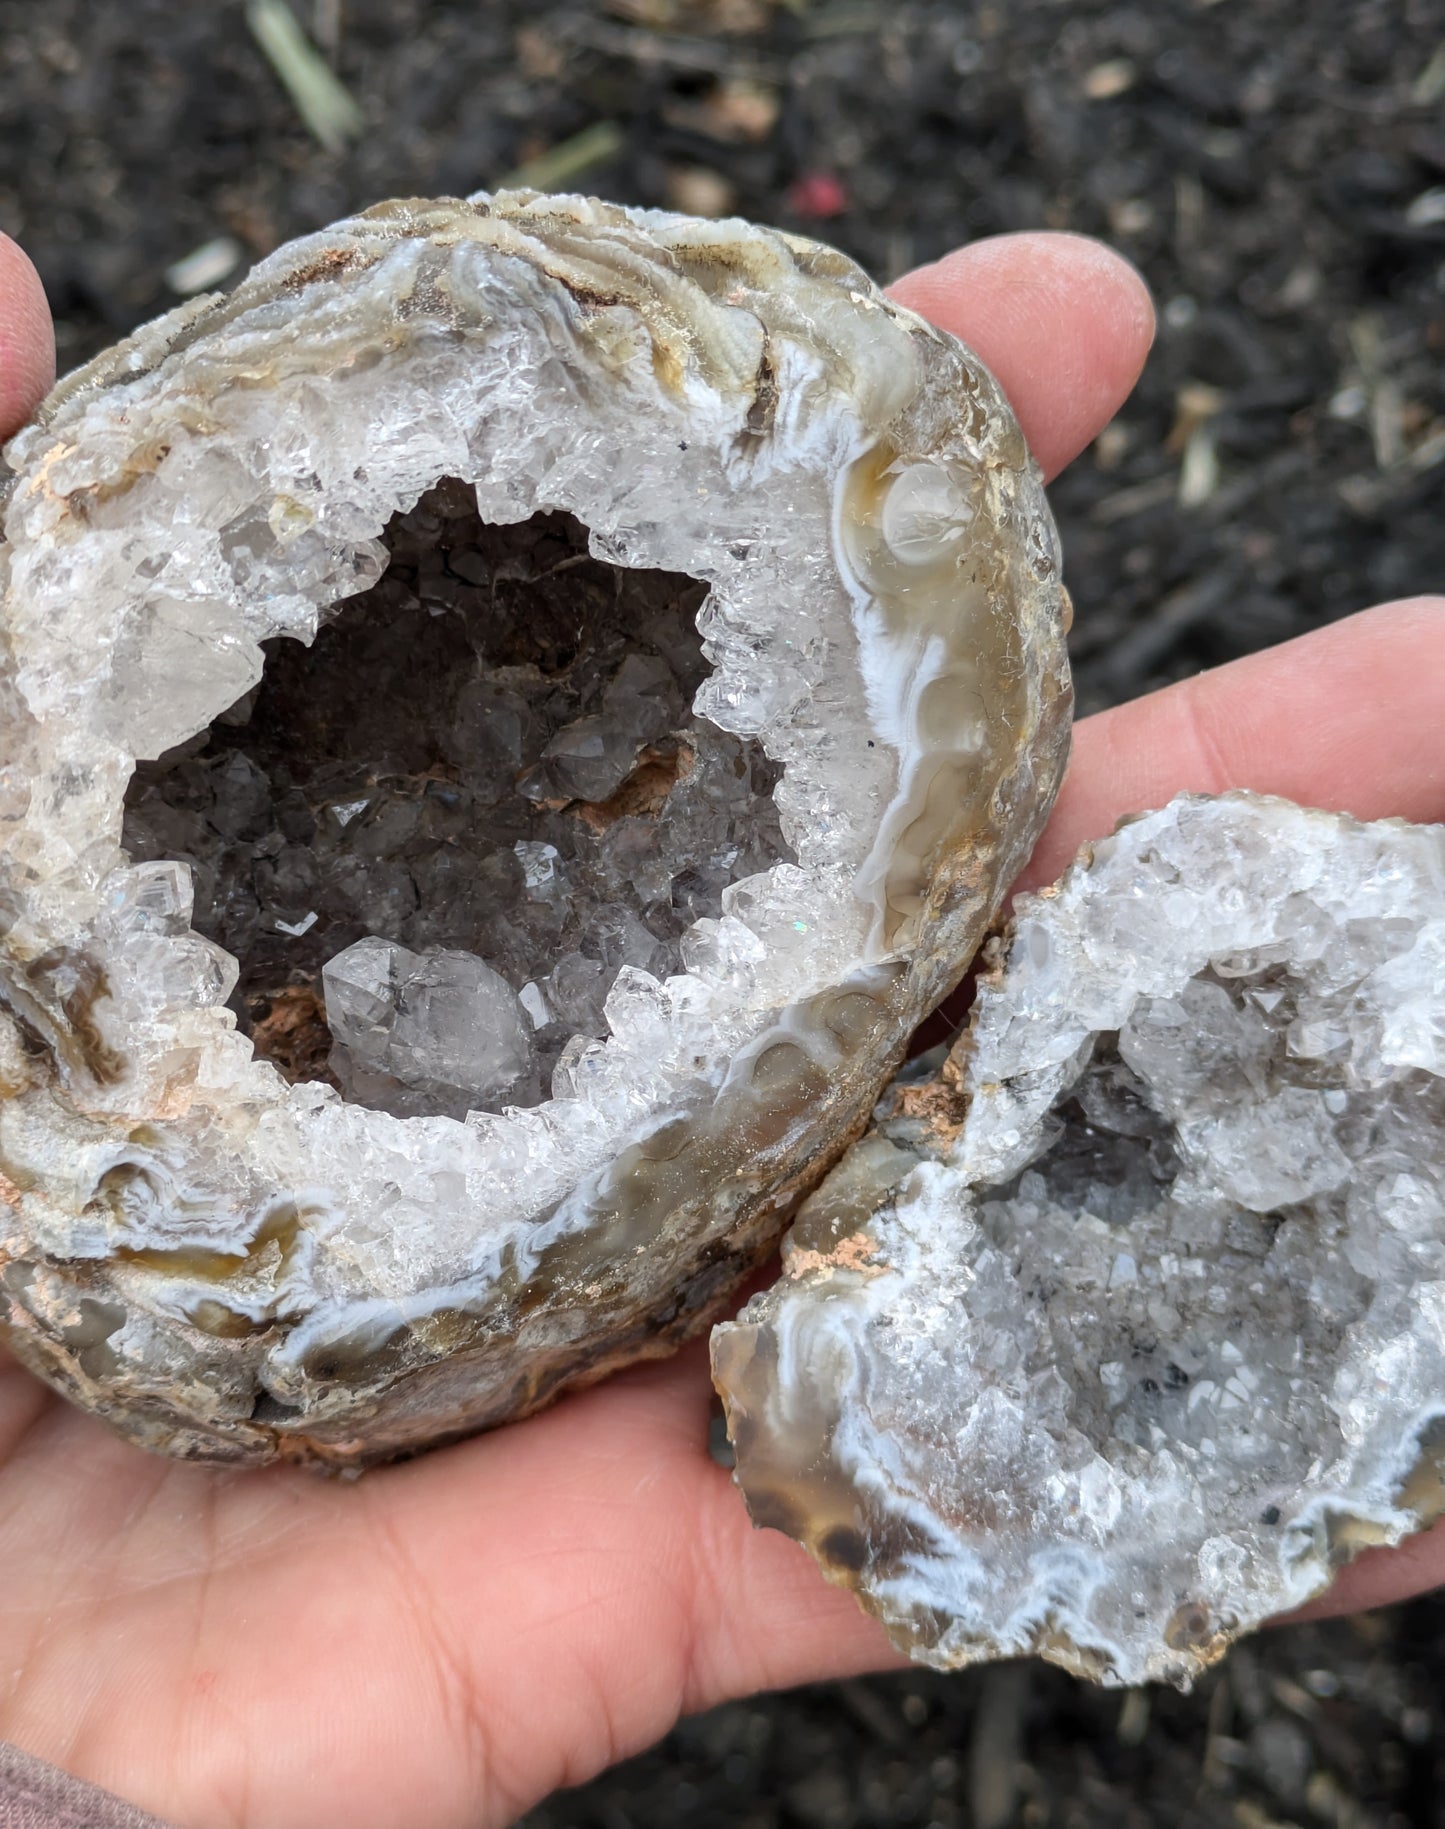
[(227, 1267)]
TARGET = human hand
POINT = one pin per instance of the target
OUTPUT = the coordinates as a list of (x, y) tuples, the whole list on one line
[(444, 1642)]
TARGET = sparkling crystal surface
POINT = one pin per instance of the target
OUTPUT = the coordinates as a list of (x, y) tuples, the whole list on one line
[(648, 611), (1127, 1338), (492, 750), (436, 1029)]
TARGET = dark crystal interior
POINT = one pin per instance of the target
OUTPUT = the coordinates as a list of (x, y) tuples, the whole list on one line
[(491, 752)]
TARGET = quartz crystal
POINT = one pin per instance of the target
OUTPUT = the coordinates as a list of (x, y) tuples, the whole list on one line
[(440, 1030), (444, 766), (507, 720), (1122, 1334)]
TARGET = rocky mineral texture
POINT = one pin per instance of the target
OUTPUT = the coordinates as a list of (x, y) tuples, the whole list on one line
[(1123, 1335), (508, 720)]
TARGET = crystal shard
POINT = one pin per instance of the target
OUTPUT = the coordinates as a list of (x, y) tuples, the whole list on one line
[(431, 1032), (1124, 1334), (509, 718)]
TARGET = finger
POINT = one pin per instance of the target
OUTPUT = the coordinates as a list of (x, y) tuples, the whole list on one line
[(1379, 1577), (1063, 322), (1347, 718), (27, 339)]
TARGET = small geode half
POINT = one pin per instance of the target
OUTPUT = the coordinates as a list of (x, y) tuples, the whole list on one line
[(685, 683), (1123, 1334)]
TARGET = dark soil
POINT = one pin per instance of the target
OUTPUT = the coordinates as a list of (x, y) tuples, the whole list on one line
[(1277, 169)]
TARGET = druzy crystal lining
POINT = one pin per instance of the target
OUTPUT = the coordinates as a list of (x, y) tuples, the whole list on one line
[(225, 1263), (435, 838), (1119, 1338)]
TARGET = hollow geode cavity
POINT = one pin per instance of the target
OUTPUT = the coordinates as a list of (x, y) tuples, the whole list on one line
[(1122, 1335), (685, 683)]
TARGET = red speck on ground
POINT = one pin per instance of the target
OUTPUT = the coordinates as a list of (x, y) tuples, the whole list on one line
[(817, 195)]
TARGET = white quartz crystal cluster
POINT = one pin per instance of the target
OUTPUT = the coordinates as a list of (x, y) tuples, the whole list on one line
[(1137, 1354), (492, 753), (649, 889)]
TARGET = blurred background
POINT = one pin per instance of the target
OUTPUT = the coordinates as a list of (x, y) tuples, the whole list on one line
[(1277, 170)]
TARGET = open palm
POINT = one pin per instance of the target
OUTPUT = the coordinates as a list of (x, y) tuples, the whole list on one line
[(444, 1642)]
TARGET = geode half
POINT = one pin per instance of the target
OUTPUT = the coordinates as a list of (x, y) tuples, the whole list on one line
[(509, 718), (1122, 1336)]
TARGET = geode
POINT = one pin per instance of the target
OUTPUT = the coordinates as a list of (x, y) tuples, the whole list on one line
[(1124, 1333), (509, 719)]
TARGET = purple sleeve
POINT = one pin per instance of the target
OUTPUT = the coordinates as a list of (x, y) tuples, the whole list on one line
[(34, 1795)]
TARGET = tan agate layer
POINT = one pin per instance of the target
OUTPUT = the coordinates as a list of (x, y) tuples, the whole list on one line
[(224, 1265)]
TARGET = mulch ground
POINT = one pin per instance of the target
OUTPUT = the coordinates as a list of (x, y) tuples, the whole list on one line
[(1277, 170)]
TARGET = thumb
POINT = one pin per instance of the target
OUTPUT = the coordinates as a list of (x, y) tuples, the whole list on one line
[(27, 341)]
